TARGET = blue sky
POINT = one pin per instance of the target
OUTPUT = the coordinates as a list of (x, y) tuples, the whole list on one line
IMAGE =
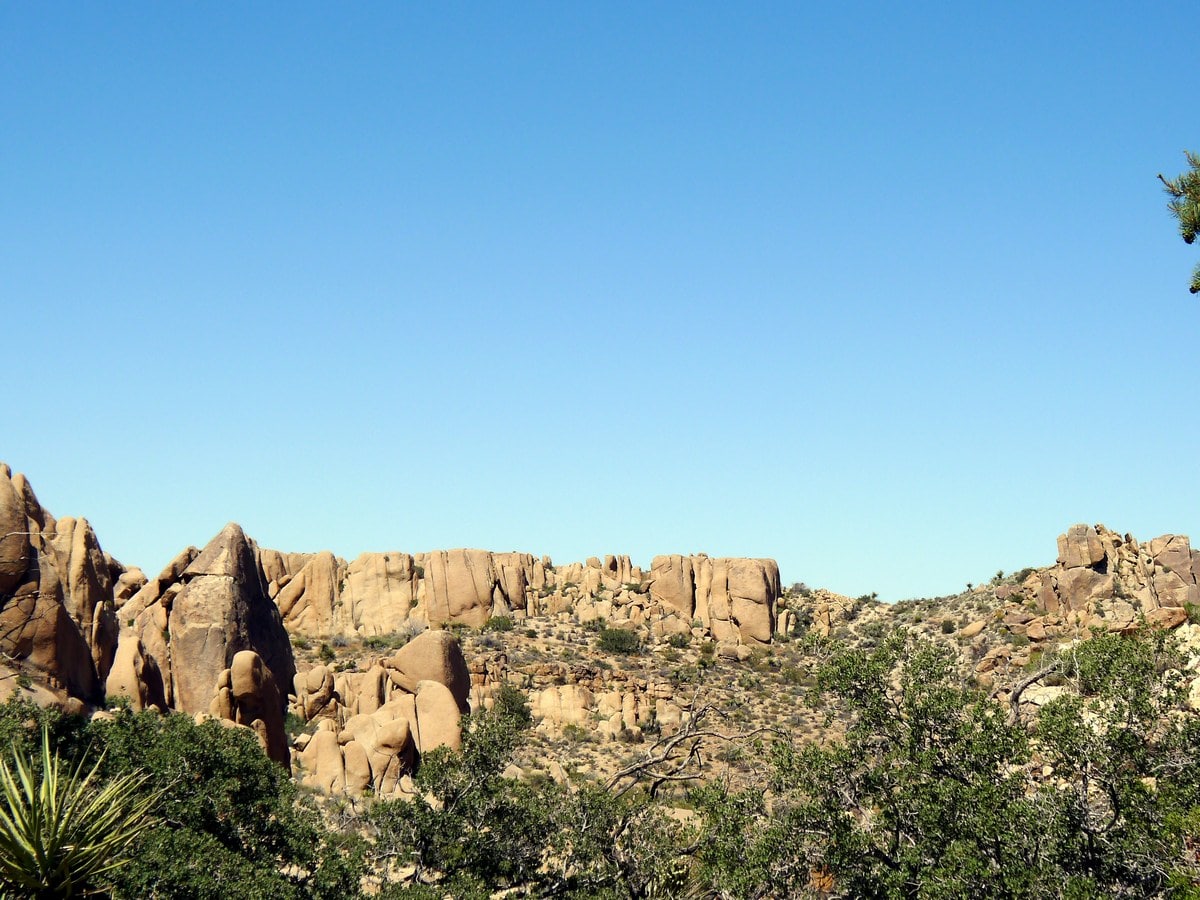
[(887, 292)]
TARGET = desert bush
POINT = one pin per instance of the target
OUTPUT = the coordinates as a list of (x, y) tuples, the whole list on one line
[(618, 640), (499, 623)]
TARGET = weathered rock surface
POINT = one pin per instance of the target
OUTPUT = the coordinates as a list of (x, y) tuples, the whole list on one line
[(204, 636), (56, 590), (218, 607), (136, 676), (383, 717), (1112, 581), (380, 593), (433, 656), (248, 695)]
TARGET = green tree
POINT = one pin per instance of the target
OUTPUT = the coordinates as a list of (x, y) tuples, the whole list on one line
[(232, 824), (938, 791), (1126, 753), (924, 797), (618, 640), (472, 832), (1185, 205), (469, 830)]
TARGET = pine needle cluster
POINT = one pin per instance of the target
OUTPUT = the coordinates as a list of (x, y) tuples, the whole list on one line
[(1185, 205)]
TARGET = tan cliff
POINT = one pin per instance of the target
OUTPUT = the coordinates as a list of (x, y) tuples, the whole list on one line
[(320, 595), (247, 635), (211, 635)]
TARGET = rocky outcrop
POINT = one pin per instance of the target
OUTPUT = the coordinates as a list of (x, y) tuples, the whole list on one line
[(372, 726), (380, 590), (432, 656), (14, 537), (616, 708), (217, 607), (732, 600), (209, 634), (136, 677), (1104, 579), (248, 695), (204, 637), (57, 613)]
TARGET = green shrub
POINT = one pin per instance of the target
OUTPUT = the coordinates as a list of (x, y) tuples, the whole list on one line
[(575, 734), (379, 642), (792, 675), (617, 640), (679, 641), (511, 704), (499, 623), (293, 724), (326, 654), (947, 626), (229, 824)]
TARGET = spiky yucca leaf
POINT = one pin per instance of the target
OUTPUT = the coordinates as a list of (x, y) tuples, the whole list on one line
[(63, 830)]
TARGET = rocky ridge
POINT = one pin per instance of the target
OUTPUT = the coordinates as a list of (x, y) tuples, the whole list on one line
[(212, 634), (373, 661)]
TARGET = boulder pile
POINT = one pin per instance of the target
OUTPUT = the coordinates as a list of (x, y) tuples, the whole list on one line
[(1105, 580)]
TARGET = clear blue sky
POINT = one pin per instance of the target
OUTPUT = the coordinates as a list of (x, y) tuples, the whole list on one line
[(885, 291)]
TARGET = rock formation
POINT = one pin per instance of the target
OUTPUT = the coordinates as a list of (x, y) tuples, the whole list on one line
[(1107, 580), (248, 695), (205, 608), (372, 726), (56, 593), (732, 600)]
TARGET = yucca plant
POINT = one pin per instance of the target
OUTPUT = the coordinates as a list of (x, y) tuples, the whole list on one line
[(63, 830)]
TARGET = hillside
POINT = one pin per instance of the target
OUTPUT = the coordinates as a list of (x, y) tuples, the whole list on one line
[(351, 673)]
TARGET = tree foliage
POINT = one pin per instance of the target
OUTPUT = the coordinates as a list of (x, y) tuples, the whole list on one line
[(232, 824), (229, 821), (472, 831), (922, 786), (1185, 205), (935, 791)]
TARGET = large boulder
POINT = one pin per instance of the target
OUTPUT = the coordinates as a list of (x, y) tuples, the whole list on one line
[(56, 593), (736, 598), (248, 695), (14, 540), (673, 584), (432, 656), (308, 601), (438, 717), (1080, 547), (461, 586), (136, 676), (221, 609), (380, 592)]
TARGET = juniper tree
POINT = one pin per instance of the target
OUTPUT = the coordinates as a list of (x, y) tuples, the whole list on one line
[(1185, 205)]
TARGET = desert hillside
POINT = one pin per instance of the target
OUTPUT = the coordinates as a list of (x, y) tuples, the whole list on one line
[(351, 674)]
